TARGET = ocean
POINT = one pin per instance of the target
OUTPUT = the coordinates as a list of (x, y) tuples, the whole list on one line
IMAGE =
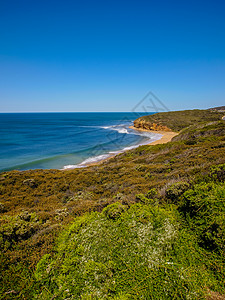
[(65, 140)]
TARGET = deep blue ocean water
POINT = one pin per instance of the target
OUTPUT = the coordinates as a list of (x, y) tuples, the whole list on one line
[(65, 140)]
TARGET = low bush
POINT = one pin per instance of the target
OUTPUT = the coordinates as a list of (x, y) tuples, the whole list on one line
[(174, 191), (204, 209), (136, 253), (218, 172), (15, 229)]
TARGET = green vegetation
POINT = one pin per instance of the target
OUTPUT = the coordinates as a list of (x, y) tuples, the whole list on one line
[(219, 108), (178, 120), (146, 224), (140, 252)]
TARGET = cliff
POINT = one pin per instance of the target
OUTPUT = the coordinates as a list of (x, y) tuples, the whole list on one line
[(143, 124), (176, 120), (219, 108)]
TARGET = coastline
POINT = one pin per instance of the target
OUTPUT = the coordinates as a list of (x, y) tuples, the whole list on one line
[(47, 209), (166, 136)]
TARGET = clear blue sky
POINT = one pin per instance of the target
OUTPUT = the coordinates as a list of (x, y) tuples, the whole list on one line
[(106, 55)]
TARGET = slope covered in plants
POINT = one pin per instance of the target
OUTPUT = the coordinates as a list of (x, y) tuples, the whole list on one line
[(177, 120), (146, 224), (142, 251)]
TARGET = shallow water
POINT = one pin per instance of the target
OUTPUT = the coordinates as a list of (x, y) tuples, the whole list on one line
[(65, 140)]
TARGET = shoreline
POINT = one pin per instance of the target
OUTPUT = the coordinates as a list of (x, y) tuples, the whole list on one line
[(166, 136)]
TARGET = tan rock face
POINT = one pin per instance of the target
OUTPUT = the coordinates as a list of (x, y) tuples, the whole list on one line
[(150, 126)]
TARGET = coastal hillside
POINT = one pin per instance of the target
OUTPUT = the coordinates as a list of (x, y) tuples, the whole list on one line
[(176, 120), (145, 224), (219, 108)]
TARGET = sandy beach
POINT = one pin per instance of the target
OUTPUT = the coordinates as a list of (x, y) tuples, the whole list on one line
[(166, 137)]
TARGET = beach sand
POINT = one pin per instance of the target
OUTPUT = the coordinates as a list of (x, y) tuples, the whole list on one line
[(166, 137)]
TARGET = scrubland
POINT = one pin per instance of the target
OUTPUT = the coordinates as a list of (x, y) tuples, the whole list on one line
[(145, 224)]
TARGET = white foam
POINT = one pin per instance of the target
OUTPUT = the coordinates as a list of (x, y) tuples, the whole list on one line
[(94, 159), (151, 140), (121, 129), (69, 167), (114, 152), (88, 161), (131, 147), (124, 128)]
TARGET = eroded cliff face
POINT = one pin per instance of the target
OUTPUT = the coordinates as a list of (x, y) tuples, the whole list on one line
[(142, 124)]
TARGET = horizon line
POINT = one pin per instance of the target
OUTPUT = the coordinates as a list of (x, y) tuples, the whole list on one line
[(33, 112)]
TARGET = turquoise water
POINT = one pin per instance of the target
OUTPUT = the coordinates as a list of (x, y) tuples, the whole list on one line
[(65, 140)]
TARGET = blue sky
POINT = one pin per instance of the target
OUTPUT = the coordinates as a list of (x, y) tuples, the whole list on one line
[(106, 55)]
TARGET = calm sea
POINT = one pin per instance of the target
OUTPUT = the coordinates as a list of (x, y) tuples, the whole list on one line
[(65, 140)]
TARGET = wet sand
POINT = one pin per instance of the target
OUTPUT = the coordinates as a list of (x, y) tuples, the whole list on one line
[(166, 137)]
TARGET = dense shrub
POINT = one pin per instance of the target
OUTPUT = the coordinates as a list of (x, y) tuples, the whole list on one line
[(218, 172), (175, 190), (15, 229), (114, 210), (140, 254), (204, 209)]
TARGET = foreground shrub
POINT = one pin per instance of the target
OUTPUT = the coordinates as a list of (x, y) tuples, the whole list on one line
[(121, 253), (175, 190), (204, 209), (218, 172), (14, 229)]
